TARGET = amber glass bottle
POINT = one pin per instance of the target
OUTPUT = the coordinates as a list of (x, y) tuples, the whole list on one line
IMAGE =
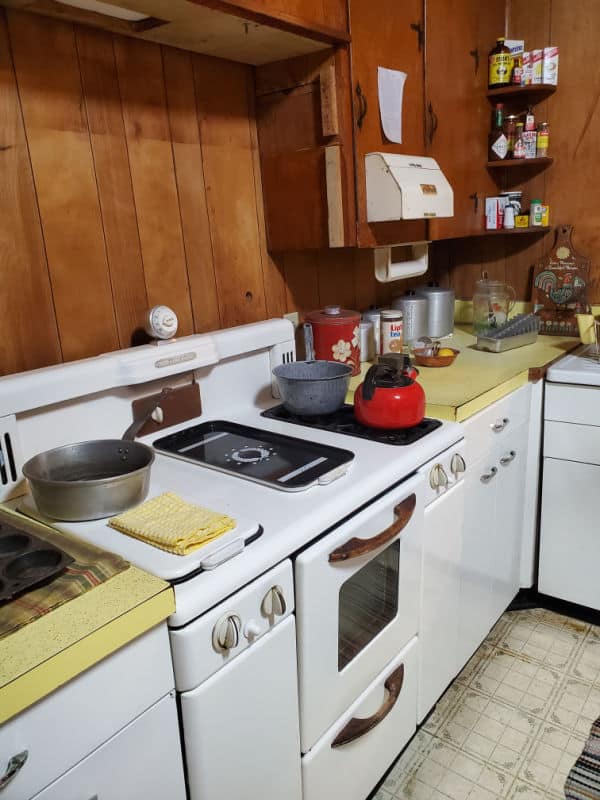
[(500, 65)]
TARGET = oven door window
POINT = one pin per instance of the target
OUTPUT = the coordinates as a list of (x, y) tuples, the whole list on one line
[(368, 602)]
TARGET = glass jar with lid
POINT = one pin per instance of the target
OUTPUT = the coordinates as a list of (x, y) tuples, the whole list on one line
[(492, 303)]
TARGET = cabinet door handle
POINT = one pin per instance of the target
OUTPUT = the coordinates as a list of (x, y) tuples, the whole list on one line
[(362, 106), (433, 122), (475, 198), (507, 459), (499, 425), (358, 726), (358, 547), (475, 54), (13, 768), (420, 31), (487, 476)]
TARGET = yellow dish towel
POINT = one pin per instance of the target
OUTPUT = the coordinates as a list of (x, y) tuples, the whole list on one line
[(172, 524)]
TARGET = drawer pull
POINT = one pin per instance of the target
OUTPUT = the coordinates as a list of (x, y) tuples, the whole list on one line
[(13, 767), (507, 459), (358, 547), (358, 726), (499, 425), (487, 476)]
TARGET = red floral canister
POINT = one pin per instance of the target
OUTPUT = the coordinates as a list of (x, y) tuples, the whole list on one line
[(336, 335)]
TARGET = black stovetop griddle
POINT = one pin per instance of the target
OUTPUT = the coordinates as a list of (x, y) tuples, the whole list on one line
[(344, 421), (283, 462)]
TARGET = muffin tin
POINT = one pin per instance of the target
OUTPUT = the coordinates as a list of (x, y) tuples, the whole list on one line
[(26, 560)]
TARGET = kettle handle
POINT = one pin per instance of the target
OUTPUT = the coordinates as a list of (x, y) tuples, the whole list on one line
[(370, 382)]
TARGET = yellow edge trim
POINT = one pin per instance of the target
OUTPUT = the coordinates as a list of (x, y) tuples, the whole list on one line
[(40, 681), (483, 401)]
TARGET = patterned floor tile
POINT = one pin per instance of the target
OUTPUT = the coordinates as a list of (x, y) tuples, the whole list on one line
[(514, 721)]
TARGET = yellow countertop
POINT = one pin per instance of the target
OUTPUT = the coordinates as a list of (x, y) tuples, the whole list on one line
[(45, 654), (476, 378)]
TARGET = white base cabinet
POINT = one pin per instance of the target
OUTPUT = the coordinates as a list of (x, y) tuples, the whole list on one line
[(142, 762), (495, 503)]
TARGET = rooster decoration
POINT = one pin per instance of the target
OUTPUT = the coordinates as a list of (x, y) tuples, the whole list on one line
[(561, 288)]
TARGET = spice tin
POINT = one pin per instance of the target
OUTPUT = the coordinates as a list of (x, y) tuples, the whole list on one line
[(336, 335), (537, 62), (392, 329), (550, 66)]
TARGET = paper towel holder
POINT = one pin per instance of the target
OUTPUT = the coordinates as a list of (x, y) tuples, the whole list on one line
[(387, 270)]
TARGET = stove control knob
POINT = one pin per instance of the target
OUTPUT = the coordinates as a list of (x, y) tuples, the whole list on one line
[(438, 478), (226, 633), (273, 604), (458, 465), (252, 630)]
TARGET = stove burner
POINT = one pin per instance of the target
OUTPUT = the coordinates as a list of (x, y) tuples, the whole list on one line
[(251, 455), (344, 421)]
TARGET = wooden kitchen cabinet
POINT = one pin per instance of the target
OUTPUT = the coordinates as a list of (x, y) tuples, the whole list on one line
[(316, 122), (457, 113), (322, 16)]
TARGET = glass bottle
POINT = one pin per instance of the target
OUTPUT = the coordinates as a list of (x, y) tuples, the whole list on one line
[(500, 65), (519, 148), (543, 136), (510, 130), (497, 142)]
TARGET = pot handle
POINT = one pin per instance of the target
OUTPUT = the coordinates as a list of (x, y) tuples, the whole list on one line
[(358, 547), (137, 424), (309, 344)]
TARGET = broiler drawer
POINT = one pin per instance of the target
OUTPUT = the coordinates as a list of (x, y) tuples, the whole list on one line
[(350, 771)]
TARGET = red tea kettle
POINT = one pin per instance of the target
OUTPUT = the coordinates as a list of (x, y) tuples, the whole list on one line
[(389, 398)]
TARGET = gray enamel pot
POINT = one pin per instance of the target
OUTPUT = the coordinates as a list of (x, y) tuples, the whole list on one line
[(309, 388)]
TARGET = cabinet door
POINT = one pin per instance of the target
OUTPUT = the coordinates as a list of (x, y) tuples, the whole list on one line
[(388, 34), (321, 16), (304, 120), (511, 461), (458, 114), (141, 761), (476, 614), (440, 597), (569, 541)]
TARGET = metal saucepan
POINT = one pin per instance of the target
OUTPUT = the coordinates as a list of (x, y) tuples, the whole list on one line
[(95, 479), (309, 388)]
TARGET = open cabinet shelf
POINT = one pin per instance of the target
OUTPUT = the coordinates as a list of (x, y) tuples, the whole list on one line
[(511, 231), (531, 89), (519, 162)]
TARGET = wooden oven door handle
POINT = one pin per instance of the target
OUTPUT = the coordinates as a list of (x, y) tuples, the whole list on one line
[(358, 726), (358, 547)]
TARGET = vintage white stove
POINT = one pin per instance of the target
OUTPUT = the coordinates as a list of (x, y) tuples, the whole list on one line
[(233, 634)]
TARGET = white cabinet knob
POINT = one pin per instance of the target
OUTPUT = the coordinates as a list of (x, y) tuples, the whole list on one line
[(252, 630)]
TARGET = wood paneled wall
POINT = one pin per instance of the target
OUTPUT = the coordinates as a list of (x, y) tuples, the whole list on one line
[(129, 176)]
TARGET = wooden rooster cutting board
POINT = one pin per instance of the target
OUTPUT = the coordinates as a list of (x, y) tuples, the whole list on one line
[(560, 286)]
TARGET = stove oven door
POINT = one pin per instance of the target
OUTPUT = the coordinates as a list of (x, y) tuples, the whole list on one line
[(357, 604)]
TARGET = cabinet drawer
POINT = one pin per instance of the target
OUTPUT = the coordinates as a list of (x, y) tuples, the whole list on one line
[(70, 723), (350, 771), (487, 429), (572, 442), (141, 761), (579, 404)]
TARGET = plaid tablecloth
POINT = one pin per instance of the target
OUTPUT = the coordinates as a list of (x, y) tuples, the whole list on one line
[(91, 567)]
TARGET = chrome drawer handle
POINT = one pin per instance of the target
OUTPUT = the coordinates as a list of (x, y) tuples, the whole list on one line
[(500, 425), (13, 767), (487, 476), (507, 459)]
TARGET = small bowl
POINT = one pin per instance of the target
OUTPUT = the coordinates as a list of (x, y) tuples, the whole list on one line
[(424, 360)]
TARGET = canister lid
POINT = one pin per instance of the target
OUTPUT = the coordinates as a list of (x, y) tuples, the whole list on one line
[(333, 315)]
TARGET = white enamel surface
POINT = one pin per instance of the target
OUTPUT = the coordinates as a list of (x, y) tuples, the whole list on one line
[(324, 690), (240, 727), (351, 771), (582, 367)]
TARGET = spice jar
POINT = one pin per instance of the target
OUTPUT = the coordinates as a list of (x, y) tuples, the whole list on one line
[(510, 131), (543, 138)]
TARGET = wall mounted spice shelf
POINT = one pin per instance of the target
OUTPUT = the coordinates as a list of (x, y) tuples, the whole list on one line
[(510, 231), (530, 89), (519, 162)]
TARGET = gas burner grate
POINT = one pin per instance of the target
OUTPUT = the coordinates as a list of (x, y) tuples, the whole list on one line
[(343, 421)]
